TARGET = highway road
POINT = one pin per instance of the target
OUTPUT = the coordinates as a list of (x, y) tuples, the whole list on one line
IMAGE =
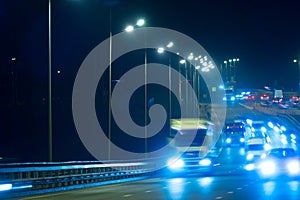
[(228, 180)]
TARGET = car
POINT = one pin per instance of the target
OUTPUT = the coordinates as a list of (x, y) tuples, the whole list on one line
[(258, 126), (250, 97), (256, 147), (229, 96), (264, 97), (279, 162), (294, 98), (294, 101), (288, 137)]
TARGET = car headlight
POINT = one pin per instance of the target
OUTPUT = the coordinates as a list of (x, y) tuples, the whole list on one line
[(232, 98), (267, 147), (267, 168), (242, 139), (270, 124), (228, 140), (250, 156), (205, 162), (263, 129), (175, 164), (264, 155), (293, 167), (250, 167)]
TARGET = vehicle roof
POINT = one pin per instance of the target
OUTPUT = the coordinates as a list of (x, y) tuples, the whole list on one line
[(256, 140)]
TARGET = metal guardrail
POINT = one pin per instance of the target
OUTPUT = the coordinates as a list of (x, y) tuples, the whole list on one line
[(23, 179)]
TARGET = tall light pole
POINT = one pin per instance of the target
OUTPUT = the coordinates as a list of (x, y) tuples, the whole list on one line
[(129, 28), (161, 50), (139, 23), (50, 82), (109, 85), (230, 74), (181, 62), (234, 67), (298, 61), (226, 70)]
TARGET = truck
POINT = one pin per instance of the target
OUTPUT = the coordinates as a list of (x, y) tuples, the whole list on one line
[(278, 96), (234, 133), (229, 95), (198, 154)]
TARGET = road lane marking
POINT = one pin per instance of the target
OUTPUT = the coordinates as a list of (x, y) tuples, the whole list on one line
[(127, 195)]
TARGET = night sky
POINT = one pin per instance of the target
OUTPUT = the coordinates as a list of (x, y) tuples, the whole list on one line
[(264, 35)]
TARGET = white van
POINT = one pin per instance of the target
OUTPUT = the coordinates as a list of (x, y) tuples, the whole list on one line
[(256, 147)]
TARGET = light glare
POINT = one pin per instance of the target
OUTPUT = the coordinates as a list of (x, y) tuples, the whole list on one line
[(175, 164), (160, 50), (171, 44), (4, 187), (182, 61), (140, 22), (268, 168), (205, 162), (129, 28), (293, 167)]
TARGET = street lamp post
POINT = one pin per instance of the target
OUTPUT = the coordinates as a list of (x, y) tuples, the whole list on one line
[(182, 62), (50, 82), (130, 28), (161, 50), (230, 74), (226, 70), (298, 61)]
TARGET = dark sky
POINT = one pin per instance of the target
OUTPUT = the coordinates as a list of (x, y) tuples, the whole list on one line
[(263, 34)]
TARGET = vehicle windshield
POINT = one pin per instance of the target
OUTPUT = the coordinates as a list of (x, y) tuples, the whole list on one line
[(255, 147), (229, 91), (182, 140)]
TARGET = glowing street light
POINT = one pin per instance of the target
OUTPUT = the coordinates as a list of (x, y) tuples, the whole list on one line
[(139, 23), (182, 61), (191, 56), (160, 50), (170, 45), (129, 28), (298, 61)]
